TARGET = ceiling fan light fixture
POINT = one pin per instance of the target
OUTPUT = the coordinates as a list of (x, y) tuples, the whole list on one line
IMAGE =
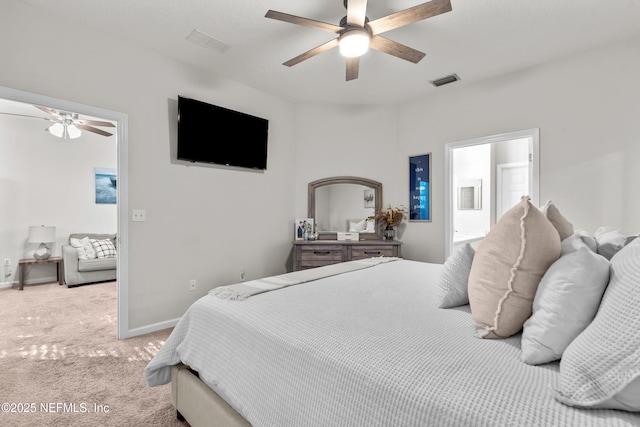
[(57, 129), (73, 132), (354, 43)]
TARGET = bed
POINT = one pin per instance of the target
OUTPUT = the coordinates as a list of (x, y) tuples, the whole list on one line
[(375, 344)]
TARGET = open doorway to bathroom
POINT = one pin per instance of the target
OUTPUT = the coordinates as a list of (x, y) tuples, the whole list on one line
[(484, 178)]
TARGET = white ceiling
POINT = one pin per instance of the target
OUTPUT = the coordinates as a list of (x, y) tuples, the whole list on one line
[(478, 39)]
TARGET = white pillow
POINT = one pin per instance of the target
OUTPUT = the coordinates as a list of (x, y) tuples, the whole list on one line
[(610, 241), (455, 277), (566, 301), (356, 225), (84, 247), (370, 226), (601, 367), (577, 240)]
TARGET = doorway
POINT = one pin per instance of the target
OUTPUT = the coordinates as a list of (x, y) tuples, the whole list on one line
[(121, 120), (491, 171)]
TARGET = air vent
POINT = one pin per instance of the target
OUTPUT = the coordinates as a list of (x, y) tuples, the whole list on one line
[(206, 41), (445, 80)]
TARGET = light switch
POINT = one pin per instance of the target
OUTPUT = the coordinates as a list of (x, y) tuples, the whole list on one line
[(138, 215)]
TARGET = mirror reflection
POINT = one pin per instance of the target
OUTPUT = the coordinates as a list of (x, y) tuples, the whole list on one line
[(345, 204), (345, 207)]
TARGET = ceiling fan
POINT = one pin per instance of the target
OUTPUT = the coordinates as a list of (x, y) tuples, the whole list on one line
[(356, 33), (67, 125)]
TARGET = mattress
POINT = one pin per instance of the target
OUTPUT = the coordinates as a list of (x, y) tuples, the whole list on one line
[(365, 348)]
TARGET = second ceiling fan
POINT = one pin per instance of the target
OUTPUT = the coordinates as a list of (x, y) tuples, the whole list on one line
[(356, 33)]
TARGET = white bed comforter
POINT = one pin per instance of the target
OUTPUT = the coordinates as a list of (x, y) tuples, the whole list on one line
[(364, 348)]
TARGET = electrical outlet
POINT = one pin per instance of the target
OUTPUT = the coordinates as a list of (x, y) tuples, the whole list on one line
[(242, 274), (138, 215), (7, 261), (193, 285)]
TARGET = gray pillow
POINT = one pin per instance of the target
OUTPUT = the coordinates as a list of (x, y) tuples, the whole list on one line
[(610, 241), (601, 367), (454, 278), (566, 301)]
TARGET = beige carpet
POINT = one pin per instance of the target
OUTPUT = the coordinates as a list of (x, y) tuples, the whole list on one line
[(62, 365)]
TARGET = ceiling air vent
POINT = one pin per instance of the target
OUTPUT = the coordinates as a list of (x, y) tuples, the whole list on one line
[(208, 42), (445, 80)]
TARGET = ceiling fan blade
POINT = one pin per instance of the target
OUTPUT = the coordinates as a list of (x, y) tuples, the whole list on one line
[(305, 22), (407, 16), (313, 52), (396, 49), (26, 115), (356, 12), (94, 130), (353, 66), (48, 111), (96, 123)]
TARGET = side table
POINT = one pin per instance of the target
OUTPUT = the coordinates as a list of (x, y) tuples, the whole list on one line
[(50, 260)]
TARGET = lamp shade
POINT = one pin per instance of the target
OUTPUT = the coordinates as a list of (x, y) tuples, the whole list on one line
[(42, 234)]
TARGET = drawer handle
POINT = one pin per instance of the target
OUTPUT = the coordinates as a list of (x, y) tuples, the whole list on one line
[(372, 252), (321, 252)]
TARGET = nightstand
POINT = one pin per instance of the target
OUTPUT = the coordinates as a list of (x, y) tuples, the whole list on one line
[(31, 261)]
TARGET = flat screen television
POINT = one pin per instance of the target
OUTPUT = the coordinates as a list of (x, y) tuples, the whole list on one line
[(211, 134)]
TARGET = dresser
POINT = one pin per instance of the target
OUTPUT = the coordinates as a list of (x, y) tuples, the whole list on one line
[(316, 253)]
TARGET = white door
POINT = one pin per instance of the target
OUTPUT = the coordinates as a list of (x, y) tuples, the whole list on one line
[(513, 183)]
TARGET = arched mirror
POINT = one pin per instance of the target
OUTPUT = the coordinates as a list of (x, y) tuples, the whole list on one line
[(345, 204)]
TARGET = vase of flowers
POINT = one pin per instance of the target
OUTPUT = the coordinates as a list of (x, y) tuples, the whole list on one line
[(390, 219)]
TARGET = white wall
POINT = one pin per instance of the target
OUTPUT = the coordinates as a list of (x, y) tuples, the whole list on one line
[(586, 107), (202, 223), (45, 180)]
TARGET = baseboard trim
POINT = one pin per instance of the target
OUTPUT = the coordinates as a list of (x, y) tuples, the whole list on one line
[(8, 284), (152, 328)]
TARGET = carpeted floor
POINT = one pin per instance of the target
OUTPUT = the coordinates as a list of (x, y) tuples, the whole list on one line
[(62, 365)]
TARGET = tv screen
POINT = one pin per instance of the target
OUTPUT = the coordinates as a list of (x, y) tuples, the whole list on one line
[(211, 134)]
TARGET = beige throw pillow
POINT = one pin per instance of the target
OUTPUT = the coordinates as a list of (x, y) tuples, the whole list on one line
[(564, 227), (507, 268)]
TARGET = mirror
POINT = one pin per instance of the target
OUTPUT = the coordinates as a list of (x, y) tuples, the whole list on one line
[(469, 194), (344, 204)]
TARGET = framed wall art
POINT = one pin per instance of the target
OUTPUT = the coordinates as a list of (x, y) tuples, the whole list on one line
[(420, 187), (106, 182)]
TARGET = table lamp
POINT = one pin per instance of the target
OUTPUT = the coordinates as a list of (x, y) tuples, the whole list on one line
[(42, 235)]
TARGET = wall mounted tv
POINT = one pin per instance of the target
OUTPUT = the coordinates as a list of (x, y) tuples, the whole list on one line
[(211, 134)]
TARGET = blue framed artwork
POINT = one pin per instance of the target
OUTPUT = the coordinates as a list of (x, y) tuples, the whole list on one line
[(106, 182), (420, 187)]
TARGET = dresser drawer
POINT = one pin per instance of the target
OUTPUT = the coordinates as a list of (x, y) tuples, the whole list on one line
[(308, 254), (317, 256), (372, 251)]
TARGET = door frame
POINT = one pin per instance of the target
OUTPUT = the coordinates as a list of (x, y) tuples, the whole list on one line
[(534, 173), (121, 120)]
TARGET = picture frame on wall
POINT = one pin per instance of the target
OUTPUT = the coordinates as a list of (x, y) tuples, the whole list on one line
[(106, 183), (420, 187), (303, 228), (369, 197)]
